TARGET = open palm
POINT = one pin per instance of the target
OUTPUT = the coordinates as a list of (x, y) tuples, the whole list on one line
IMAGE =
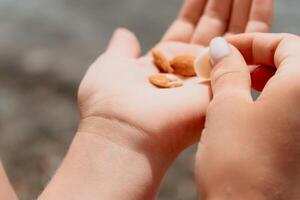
[(116, 86)]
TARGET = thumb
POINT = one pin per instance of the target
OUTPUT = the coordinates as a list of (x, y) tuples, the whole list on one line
[(230, 76), (124, 44)]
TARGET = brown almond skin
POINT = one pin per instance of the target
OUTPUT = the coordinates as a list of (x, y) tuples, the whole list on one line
[(162, 80), (184, 65), (161, 62)]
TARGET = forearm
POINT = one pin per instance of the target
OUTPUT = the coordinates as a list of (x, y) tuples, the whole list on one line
[(6, 190), (99, 168)]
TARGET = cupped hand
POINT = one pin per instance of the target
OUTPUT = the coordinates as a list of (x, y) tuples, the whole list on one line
[(250, 149), (116, 86)]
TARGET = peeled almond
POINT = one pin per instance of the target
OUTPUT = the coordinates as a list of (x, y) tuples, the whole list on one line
[(203, 65)]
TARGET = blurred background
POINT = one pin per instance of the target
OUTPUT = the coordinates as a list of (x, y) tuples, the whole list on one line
[(45, 48)]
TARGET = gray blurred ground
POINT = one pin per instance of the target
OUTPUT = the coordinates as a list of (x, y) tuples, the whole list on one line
[(45, 48)]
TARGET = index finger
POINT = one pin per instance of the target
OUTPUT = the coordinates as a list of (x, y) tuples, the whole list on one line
[(267, 48)]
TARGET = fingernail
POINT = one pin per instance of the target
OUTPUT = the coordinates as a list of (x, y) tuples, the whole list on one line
[(219, 49)]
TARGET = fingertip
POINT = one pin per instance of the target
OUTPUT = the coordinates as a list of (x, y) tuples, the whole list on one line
[(261, 16), (230, 75)]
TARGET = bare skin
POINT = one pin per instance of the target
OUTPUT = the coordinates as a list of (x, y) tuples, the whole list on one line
[(6, 190), (250, 149), (131, 132)]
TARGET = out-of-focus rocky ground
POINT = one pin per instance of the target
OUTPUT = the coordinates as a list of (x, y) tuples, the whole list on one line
[(45, 48)]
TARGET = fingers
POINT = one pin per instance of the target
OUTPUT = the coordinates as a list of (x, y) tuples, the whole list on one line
[(124, 44), (230, 76), (239, 16), (251, 16), (260, 48), (183, 27), (213, 22), (202, 20), (274, 50), (260, 16)]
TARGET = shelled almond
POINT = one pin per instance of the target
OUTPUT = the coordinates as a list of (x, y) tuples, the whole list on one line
[(165, 80), (184, 65), (161, 62)]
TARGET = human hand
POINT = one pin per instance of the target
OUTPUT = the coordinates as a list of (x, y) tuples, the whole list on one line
[(250, 149), (116, 86)]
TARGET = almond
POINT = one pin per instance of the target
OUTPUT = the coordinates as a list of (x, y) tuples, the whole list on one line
[(165, 80), (161, 62), (184, 65)]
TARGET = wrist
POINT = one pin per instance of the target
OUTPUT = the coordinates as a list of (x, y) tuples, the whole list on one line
[(128, 137), (107, 167)]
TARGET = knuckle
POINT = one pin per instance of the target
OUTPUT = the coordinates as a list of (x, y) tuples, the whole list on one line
[(290, 39), (229, 102), (288, 49), (220, 75)]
